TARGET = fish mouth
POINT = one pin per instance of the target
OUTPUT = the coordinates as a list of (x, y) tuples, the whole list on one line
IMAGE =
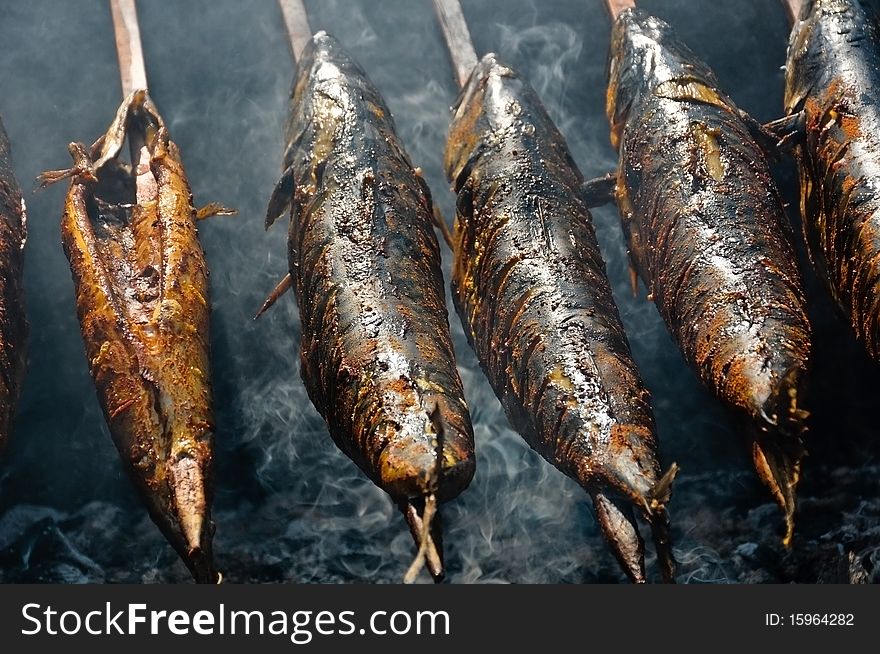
[(621, 531), (409, 469), (616, 516), (617, 498)]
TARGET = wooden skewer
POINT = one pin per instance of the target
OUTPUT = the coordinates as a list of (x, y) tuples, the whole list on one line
[(428, 554), (794, 9), (133, 75), (616, 7), (458, 38), (299, 32), (128, 46)]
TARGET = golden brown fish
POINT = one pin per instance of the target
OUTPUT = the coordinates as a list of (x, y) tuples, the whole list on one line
[(141, 286)]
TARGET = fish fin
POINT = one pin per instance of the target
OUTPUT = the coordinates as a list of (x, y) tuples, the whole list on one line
[(214, 209), (282, 197), (188, 496), (778, 447), (600, 190), (786, 131), (49, 177), (283, 286), (778, 136), (660, 492), (779, 467), (440, 223), (87, 161), (83, 169), (782, 127)]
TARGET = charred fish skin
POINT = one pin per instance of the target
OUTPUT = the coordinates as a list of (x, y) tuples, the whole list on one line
[(377, 355), (708, 235), (141, 286), (530, 287), (13, 326), (833, 76)]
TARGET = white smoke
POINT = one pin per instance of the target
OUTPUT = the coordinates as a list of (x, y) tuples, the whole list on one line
[(289, 505)]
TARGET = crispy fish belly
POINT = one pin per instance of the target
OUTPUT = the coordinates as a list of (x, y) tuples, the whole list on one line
[(377, 355), (833, 75), (13, 327), (142, 298), (529, 285), (708, 236)]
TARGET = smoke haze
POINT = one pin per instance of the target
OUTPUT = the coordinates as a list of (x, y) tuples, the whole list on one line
[(289, 505)]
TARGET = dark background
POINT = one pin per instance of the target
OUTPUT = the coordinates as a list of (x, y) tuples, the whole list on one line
[(289, 506)]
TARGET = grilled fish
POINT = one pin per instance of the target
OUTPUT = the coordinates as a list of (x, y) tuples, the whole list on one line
[(708, 236), (364, 262), (833, 78), (530, 287), (141, 284)]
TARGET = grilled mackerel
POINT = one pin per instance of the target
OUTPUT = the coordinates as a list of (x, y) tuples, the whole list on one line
[(708, 236), (364, 261), (833, 77), (529, 285), (142, 298), (13, 327)]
